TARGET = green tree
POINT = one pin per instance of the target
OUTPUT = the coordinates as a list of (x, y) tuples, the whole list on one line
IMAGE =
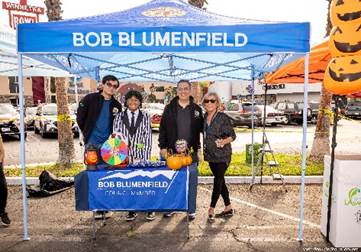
[(321, 140), (65, 134)]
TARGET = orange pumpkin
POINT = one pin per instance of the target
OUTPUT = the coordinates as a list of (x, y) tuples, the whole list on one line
[(186, 160), (174, 162), (91, 157), (345, 40), (343, 75), (345, 11)]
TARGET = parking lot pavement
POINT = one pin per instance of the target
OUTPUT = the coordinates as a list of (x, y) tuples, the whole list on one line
[(285, 139), (54, 225)]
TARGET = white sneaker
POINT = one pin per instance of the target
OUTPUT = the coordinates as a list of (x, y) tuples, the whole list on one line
[(99, 215)]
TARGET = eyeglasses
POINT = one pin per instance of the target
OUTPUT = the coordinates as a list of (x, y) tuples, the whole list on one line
[(207, 101), (111, 85)]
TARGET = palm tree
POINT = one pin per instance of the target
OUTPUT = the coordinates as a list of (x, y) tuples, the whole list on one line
[(321, 140), (65, 134), (198, 3)]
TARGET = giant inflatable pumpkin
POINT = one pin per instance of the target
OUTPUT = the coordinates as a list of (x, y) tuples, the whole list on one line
[(343, 75), (345, 40), (345, 11)]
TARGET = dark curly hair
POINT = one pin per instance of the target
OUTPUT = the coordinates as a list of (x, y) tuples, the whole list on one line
[(133, 93)]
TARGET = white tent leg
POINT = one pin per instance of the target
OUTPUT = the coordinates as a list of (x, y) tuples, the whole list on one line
[(252, 124), (304, 148), (22, 146)]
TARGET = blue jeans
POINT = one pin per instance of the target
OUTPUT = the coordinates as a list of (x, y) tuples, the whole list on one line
[(193, 183)]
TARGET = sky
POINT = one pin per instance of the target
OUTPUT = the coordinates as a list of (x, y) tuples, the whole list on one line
[(313, 11)]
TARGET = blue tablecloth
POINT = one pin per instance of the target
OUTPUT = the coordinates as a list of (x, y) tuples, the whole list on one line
[(145, 189)]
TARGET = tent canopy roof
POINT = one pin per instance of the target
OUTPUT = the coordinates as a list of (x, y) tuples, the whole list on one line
[(293, 72), (164, 40)]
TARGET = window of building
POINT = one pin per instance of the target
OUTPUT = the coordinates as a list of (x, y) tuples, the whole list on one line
[(52, 85), (13, 85)]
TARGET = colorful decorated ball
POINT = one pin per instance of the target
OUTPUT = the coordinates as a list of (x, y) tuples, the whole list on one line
[(181, 146), (114, 151)]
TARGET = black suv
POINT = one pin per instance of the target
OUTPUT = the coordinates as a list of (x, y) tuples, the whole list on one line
[(353, 109), (294, 111)]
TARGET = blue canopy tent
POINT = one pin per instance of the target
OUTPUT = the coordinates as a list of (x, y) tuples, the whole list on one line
[(164, 40)]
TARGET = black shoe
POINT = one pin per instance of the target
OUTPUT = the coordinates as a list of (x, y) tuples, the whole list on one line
[(211, 218), (168, 215), (150, 216), (100, 215), (5, 221), (191, 216), (131, 216), (228, 213)]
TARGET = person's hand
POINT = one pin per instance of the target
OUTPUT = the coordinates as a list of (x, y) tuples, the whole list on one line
[(163, 153)]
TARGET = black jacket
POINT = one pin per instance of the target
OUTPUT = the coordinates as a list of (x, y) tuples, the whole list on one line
[(168, 131), (220, 128), (89, 110)]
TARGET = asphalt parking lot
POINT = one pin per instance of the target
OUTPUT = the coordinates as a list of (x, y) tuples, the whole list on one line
[(264, 220)]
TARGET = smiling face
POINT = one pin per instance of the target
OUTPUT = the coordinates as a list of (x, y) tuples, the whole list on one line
[(343, 75), (133, 103), (210, 104), (345, 11), (183, 91), (345, 40)]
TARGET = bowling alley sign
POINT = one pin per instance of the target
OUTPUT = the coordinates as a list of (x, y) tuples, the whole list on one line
[(19, 13)]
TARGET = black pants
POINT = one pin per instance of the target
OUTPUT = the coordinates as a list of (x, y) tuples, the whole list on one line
[(219, 184), (3, 190)]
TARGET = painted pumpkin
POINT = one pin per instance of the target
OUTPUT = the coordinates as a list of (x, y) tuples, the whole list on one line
[(174, 162), (345, 40), (345, 11), (91, 157), (181, 146), (343, 75)]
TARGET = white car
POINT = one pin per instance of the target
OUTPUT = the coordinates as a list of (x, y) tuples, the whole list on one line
[(274, 116)]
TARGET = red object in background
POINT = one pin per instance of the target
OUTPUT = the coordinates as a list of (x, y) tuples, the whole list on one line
[(156, 119), (357, 95), (38, 89)]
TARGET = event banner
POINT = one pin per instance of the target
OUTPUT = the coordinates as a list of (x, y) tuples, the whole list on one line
[(72, 37), (136, 189)]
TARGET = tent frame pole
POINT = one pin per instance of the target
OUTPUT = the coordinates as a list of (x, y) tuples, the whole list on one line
[(252, 122), (304, 147), (22, 146), (332, 166)]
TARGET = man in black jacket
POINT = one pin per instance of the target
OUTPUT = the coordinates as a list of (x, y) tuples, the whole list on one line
[(97, 111), (183, 119)]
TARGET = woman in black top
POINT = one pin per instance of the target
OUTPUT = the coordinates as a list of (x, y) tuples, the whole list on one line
[(218, 135)]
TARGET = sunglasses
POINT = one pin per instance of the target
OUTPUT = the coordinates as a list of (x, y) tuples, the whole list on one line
[(111, 85), (207, 101)]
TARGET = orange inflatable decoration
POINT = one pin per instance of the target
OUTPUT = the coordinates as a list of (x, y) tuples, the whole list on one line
[(345, 11), (91, 157), (343, 75), (345, 40)]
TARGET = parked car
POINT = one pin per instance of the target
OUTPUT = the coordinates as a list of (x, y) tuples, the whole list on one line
[(46, 120), (273, 116), (9, 121), (241, 114), (155, 111), (293, 111), (353, 108), (30, 114)]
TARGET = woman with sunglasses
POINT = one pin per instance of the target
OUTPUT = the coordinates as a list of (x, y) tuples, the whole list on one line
[(218, 135)]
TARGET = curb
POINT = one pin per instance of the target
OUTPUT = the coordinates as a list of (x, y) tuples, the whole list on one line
[(201, 180)]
